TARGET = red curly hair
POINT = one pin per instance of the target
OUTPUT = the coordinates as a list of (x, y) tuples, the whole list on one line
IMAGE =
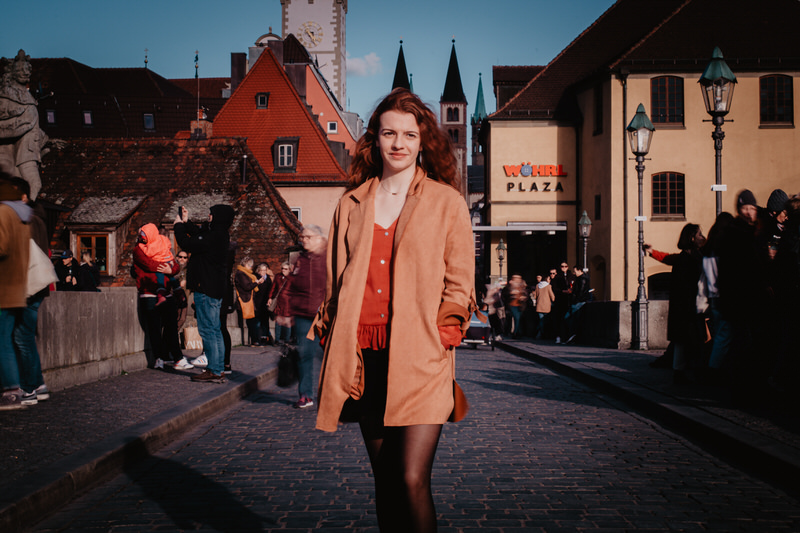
[(436, 159)]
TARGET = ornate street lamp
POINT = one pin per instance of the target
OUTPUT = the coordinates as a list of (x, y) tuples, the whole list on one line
[(640, 133), (584, 230), (717, 83), (501, 255)]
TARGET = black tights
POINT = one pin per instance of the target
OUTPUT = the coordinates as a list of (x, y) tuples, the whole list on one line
[(402, 462)]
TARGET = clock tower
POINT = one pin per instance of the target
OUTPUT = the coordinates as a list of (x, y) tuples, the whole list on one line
[(320, 26)]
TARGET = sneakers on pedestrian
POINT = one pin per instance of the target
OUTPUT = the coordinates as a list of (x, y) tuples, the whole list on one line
[(208, 376), (201, 360), (302, 403), (28, 398), (228, 370), (159, 364), (42, 393), (183, 364), (571, 339), (558, 340), (11, 399)]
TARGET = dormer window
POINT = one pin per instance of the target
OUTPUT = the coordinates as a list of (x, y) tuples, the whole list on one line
[(284, 154), (262, 100), (149, 122)]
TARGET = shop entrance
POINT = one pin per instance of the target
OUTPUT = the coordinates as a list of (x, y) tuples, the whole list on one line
[(534, 252)]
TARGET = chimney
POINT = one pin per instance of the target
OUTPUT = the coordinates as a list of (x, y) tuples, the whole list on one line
[(238, 69)]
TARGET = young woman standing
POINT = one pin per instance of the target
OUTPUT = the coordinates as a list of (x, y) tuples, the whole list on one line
[(399, 297)]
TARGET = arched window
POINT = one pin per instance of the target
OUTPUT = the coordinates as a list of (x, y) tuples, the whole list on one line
[(776, 100), (454, 135), (666, 100)]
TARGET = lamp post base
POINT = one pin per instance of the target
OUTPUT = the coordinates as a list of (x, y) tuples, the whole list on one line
[(640, 317)]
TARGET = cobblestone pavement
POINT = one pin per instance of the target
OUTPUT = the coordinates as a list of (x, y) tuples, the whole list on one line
[(538, 452), (76, 418)]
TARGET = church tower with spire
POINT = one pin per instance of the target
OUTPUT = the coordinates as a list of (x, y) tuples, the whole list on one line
[(453, 115), (401, 72), (475, 122)]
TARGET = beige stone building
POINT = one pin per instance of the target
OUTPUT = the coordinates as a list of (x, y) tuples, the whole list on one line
[(558, 147)]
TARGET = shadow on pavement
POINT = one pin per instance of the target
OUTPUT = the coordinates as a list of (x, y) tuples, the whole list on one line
[(192, 500)]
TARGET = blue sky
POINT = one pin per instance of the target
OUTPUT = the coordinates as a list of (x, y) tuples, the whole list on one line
[(115, 33)]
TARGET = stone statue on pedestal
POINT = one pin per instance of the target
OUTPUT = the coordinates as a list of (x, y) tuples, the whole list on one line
[(21, 139)]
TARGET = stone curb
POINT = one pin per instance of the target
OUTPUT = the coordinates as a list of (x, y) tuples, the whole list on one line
[(65, 479), (763, 455)]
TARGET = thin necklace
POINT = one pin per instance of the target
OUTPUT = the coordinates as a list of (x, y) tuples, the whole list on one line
[(387, 190)]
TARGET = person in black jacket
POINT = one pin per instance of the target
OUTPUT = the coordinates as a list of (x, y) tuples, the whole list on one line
[(206, 276), (578, 296), (562, 285)]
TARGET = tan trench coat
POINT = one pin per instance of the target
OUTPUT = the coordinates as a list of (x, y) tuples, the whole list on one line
[(432, 284)]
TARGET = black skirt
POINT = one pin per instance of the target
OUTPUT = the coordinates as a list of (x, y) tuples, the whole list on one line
[(370, 408)]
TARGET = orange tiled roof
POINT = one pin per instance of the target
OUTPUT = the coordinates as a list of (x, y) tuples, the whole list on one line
[(285, 116)]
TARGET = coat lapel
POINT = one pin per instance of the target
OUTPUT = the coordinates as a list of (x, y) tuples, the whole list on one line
[(412, 200)]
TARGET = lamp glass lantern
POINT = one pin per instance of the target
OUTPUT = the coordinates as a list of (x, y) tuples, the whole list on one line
[(585, 226), (717, 83), (501, 255), (640, 132), (501, 250)]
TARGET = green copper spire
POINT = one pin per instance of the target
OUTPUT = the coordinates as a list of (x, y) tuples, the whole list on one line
[(480, 106)]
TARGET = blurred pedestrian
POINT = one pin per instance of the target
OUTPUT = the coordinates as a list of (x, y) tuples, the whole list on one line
[(683, 326), (26, 322), (543, 300), (306, 292), (15, 238), (260, 303), (562, 287), (152, 269), (247, 285), (721, 333), (279, 303), (515, 297), (88, 274), (580, 293)]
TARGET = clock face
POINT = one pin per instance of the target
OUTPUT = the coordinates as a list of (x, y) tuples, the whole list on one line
[(309, 34)]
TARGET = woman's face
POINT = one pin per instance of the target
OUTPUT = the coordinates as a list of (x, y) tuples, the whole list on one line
[(398, 141), (262, 271), (699, 239)]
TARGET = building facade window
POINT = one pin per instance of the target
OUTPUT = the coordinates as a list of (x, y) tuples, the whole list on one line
[(333, 127), (452, 114), (262, 100), (776, 102), (97, 246), (669, 196), (88, 120), (284, 154), (454, 135), (666, 100), (51, 117), (149, 122)]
